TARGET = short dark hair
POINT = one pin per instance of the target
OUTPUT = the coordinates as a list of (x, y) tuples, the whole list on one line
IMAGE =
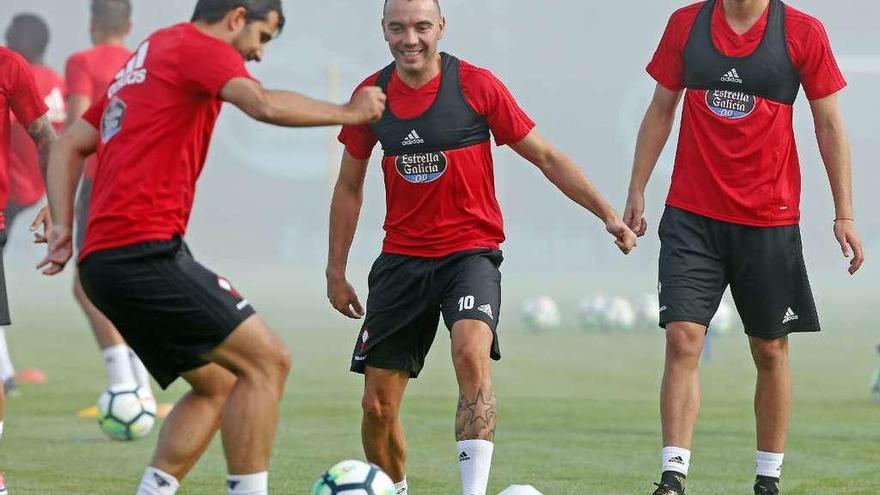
[(112, 16), (28, 35), (211, 11), (436, 2)]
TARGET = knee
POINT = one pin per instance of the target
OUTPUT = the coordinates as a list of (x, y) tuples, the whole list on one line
[(770, 354), (472, 367), (379, 410), (684, 343), (276, 366)]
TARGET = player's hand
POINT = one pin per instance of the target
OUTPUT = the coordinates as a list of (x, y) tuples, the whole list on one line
[(60, 250), (850, 243), (633, 214), (366, 106), (344, 298), (44, 219), (624, 237)]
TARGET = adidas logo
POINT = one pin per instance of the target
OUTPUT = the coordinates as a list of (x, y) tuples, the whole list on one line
[(732, 76), (412, 138), (485, 308), (160, 481), (463, 456), (232, 483), (677, 459), (789, 316)]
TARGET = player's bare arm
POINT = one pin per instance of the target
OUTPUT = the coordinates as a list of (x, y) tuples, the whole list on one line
[(569, 178), (64, 171), (834, 147), (291, 109), (43, 134), (345, 208), (653, 134)]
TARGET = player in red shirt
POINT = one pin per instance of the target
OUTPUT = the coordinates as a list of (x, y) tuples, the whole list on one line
[(152, 128), (441, 253), (733, 207), (18, 96), (88, 73)]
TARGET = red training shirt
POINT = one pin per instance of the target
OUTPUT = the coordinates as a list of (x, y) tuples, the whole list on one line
[(459, 211), (742, 171), (26, 183), (18, 93), (88, 73), (155, 124)]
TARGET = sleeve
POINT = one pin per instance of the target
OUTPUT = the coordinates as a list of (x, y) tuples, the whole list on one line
[(95, 112), (489, 97), (667, 65), (78, 78), (820, 74), (209, 68), (25, 100), (359, 140)]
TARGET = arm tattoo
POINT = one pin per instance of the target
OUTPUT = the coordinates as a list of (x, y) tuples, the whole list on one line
[(476, 416), (43, 135)]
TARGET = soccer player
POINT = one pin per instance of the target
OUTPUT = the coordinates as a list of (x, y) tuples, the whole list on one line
[(733, 207), (28, 35), (151, 129), (443, 233), (20, 96), (88, 73)]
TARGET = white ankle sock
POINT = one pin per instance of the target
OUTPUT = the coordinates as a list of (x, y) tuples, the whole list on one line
[(769, 464), (248, 484), (141, 375), (6, 369), (400, 488), (118, 365), (474, 462), (157, 482), (675, 459)]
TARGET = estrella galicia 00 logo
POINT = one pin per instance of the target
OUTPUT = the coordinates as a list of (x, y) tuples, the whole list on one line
[(111, 121), (421, 168), (730, 104)]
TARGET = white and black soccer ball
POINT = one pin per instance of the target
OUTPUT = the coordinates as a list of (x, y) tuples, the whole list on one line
[(620, 314), (353, 477), (541, 313), (126, 412), (591, 312)]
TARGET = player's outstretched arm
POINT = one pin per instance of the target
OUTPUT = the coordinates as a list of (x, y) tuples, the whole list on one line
[(65, 168), (653, 134), (345, 209), (834, 146), (290, 109), (566, 176)]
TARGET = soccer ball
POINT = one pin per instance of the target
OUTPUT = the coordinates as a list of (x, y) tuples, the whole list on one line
[(541, 313), (126, 412), (591, 312), (648, 310), (353, 478), (520, 490), (620, 314)]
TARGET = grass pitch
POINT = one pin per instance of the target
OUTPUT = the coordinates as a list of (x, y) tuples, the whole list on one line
[(578, 411)]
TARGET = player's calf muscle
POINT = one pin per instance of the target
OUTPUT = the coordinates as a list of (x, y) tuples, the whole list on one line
[(477, 415)]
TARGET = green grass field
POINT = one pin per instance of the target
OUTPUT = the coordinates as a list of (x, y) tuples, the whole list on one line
[(578, 411)]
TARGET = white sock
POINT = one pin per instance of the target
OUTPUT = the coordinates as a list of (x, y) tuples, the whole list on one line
[(248, 484), (474, 462), (156, 482), (118, 365), (6, 369), (141, 375), (1, 429), (400, 487), (770, 464), (675, 459)]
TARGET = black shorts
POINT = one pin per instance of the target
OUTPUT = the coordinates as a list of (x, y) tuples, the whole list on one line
[(764, 267), (407, 296), (4, 302), (81, 212), (170, 309)]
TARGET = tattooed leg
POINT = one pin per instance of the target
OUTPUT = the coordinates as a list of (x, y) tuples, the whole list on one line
[(477, 407)]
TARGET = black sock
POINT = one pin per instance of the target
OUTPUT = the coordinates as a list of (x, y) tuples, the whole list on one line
[(673, 479)]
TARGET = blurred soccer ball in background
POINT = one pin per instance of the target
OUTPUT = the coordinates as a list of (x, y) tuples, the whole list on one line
[(541, 313)]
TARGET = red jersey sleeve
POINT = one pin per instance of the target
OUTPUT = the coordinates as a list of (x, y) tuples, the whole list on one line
[(667, 64), (24, 97), (94, 113), (209, 66), (490, 98), (359, 140), (815, 60), (78, 77)]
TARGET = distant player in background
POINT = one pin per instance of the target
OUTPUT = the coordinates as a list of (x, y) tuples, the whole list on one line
[(19, 96), (733, 210), (88, 74), (152, 128), (441, 253), (28, 35)]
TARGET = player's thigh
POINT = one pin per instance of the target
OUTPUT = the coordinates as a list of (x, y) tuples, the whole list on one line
[(252, 348), (210, 380), (691, 272), (769, 282)]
